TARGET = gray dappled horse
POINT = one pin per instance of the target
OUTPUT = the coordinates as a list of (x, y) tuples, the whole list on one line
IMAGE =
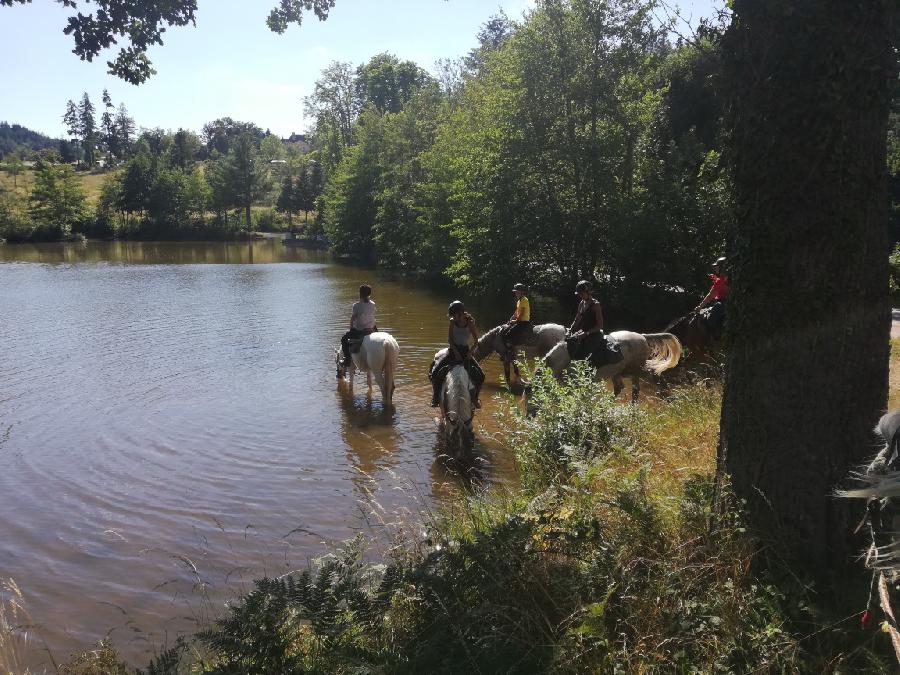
[(656, 352), (457, 411), (377, 356), (543, 338)]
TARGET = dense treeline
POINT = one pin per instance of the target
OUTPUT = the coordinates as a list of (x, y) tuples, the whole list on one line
[(14, 138), (579, 143), (162, 184)]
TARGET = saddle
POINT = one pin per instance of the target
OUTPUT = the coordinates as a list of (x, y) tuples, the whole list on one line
[(596, 349), (356, 343)]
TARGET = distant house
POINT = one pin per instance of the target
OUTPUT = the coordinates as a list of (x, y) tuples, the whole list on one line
[(299, 141)]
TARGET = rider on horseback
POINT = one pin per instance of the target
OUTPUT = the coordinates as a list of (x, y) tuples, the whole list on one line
[(362, 321), (585, 336), (518, 327), (461, 330), (715, 299)]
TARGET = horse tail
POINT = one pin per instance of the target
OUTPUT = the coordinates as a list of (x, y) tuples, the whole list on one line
[(391, 354), (665, 352)]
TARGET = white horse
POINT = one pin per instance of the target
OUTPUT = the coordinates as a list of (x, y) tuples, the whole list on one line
[(543, 338), (457, 411), (656, 352), (376, 356)]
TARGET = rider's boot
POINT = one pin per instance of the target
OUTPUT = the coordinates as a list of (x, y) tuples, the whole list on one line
[(476, 401)]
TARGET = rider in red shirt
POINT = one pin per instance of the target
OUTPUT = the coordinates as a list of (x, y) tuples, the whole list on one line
[(721, 286), (714, 318)]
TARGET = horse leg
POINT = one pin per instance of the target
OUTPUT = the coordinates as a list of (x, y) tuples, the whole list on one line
[(369, 378), (515, 372), (351, 371), (618, 385), (662, 386), (506, 372), (635, 388)]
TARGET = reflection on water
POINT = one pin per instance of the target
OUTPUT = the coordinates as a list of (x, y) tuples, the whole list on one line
[(171, 429), (160, 252)]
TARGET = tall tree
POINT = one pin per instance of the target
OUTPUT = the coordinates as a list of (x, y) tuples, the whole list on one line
[(57, 201), (14, 166), (125, 127), (108, 131), (334, 104), (87, 129), (246, 174), (807, 369), (219, 134), (185, 149), (388, 83)]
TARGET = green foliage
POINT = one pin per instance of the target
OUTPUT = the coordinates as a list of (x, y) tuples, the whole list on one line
[(590, 567), (140, 25), (895, 274), (577, 144), (305, 622), (15, 139), (57, 202), (386, 83), (573, 422)]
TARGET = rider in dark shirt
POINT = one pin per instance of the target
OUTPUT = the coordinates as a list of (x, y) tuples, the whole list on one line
[(460, 333), (586, 332)]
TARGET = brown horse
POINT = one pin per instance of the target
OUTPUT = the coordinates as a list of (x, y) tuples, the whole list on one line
[(691, 330)]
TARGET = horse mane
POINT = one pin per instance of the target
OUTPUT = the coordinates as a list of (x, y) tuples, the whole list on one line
[(555, 355), (457, 387), (484, 345)]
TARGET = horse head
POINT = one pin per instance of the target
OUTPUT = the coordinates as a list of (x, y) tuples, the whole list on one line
[(558, 359), (458, 432), (488, 343)]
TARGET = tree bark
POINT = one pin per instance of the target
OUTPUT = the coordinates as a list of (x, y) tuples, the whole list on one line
[(809, 316)]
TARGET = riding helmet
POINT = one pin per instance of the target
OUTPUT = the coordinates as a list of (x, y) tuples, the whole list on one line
[(456, 306), (519, 287), (583, 286), (720, 262)]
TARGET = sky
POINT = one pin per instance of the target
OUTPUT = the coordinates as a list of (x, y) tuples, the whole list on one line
[(230, 64)]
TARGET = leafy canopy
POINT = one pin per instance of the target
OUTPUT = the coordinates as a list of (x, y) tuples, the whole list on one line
[(140, 25)]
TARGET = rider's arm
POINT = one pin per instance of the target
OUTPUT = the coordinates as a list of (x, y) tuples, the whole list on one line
[(472, 329), (708, 299), (353, 315)]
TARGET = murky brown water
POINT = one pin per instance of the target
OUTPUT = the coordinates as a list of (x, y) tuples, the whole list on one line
[(171, 429)]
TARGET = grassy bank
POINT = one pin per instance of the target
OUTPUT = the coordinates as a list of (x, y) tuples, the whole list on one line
[(602, 560), (21, 185)]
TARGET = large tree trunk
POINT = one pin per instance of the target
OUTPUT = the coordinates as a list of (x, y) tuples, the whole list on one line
[(807, 371)]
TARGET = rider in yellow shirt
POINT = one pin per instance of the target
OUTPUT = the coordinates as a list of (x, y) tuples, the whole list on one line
[(518, 328)]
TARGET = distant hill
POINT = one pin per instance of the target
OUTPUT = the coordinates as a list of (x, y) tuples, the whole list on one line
[(14, 135)]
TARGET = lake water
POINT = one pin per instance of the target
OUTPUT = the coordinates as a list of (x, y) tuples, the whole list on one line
[(171, 428)]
